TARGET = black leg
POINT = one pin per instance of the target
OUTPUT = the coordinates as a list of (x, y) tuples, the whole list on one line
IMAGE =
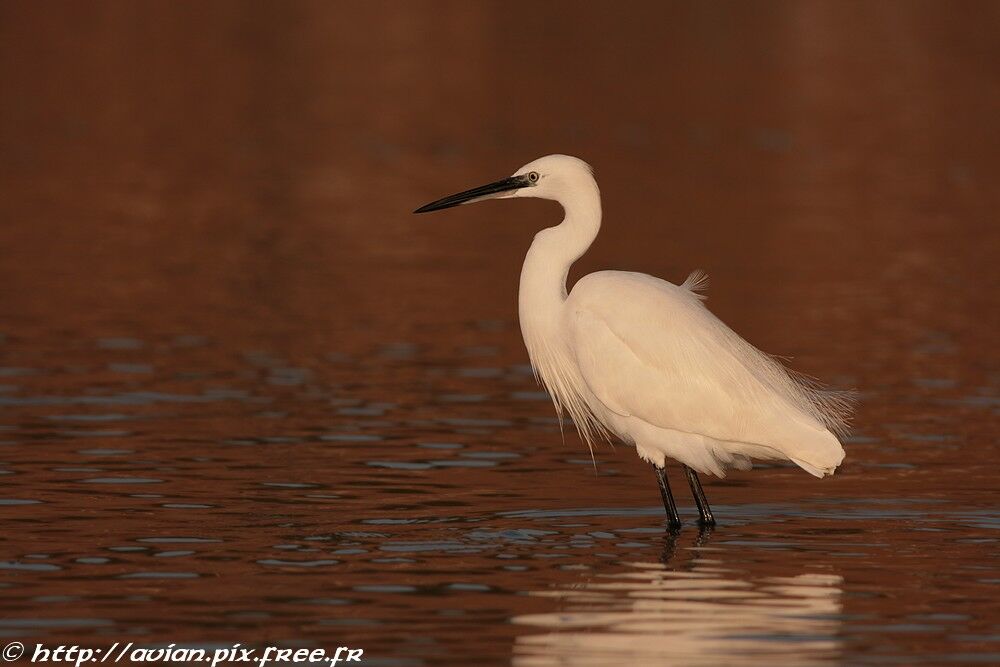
[(705, 512), (673, 520)]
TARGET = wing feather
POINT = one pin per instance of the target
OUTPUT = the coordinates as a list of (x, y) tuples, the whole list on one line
[(650, 349)]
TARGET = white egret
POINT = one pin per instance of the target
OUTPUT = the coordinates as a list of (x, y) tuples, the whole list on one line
[(630, 355)]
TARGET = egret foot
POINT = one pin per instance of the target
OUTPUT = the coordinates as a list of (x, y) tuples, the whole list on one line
[(705, 518), (673, 520)]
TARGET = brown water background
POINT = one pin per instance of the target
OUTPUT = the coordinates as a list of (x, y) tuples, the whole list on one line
[(245, 396)]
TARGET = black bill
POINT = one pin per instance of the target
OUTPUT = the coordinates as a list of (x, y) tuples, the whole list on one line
[(475, 194)]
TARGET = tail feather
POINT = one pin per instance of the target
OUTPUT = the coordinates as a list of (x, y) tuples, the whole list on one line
[(819, 457), (813, 470)]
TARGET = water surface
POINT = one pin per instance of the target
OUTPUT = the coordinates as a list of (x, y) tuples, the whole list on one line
[(246, 397)]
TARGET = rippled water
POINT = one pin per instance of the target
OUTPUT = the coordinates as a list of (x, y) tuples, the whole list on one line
[(246, 397)]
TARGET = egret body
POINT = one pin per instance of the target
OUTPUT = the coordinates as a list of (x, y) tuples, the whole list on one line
[(629, 355)]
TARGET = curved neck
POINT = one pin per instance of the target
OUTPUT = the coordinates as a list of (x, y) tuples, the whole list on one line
[(546, 267)]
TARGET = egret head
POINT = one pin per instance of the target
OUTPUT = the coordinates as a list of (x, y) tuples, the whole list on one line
[(549, 177)]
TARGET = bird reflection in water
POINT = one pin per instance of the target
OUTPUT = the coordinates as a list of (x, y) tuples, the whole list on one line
[(689, 609)]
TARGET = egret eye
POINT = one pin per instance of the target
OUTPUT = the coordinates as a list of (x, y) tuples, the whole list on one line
[(533, 176)]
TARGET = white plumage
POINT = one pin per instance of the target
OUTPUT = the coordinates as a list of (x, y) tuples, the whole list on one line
[(630, 355), (698, 393)]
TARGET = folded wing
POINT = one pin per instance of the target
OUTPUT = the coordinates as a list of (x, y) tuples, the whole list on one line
[(651, 350)]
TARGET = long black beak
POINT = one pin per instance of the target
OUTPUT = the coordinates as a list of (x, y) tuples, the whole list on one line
[(476, 194)]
